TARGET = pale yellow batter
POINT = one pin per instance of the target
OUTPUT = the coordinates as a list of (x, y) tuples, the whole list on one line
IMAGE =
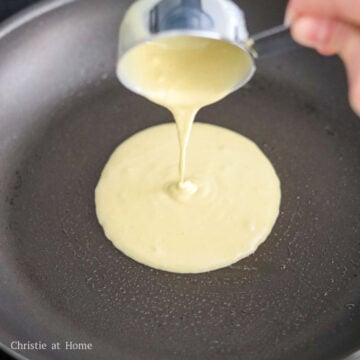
[(226, 202), (227, 218)]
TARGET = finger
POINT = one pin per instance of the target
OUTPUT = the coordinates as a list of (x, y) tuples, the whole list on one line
[(329, 36), (346, 10), (350, 54)]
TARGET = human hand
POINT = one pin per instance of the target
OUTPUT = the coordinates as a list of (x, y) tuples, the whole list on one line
[(331, 27)]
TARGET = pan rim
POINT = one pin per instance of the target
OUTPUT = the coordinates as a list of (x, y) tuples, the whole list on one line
[(29, 14), (16, 22)]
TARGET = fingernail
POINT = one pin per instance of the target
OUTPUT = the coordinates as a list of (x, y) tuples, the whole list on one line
[(310, 31)]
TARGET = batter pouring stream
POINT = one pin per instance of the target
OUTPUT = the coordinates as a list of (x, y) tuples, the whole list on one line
[(184, 74)]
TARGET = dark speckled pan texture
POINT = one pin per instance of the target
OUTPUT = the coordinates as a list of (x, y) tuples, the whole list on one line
[(62, 112)]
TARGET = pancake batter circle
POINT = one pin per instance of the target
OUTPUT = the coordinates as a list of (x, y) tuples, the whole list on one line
[(231, 208)]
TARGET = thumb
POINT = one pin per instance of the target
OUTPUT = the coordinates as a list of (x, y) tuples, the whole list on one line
[(331, 37)]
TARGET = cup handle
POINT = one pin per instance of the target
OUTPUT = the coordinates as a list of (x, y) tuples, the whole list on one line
[(274, 41)]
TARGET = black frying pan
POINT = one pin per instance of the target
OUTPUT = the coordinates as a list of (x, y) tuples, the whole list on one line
[(62, 113)]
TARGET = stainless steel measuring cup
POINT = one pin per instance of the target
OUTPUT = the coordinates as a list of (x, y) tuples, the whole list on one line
[(147, 20)]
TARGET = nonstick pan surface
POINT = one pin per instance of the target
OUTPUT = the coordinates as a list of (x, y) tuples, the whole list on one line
[(62, 113)]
